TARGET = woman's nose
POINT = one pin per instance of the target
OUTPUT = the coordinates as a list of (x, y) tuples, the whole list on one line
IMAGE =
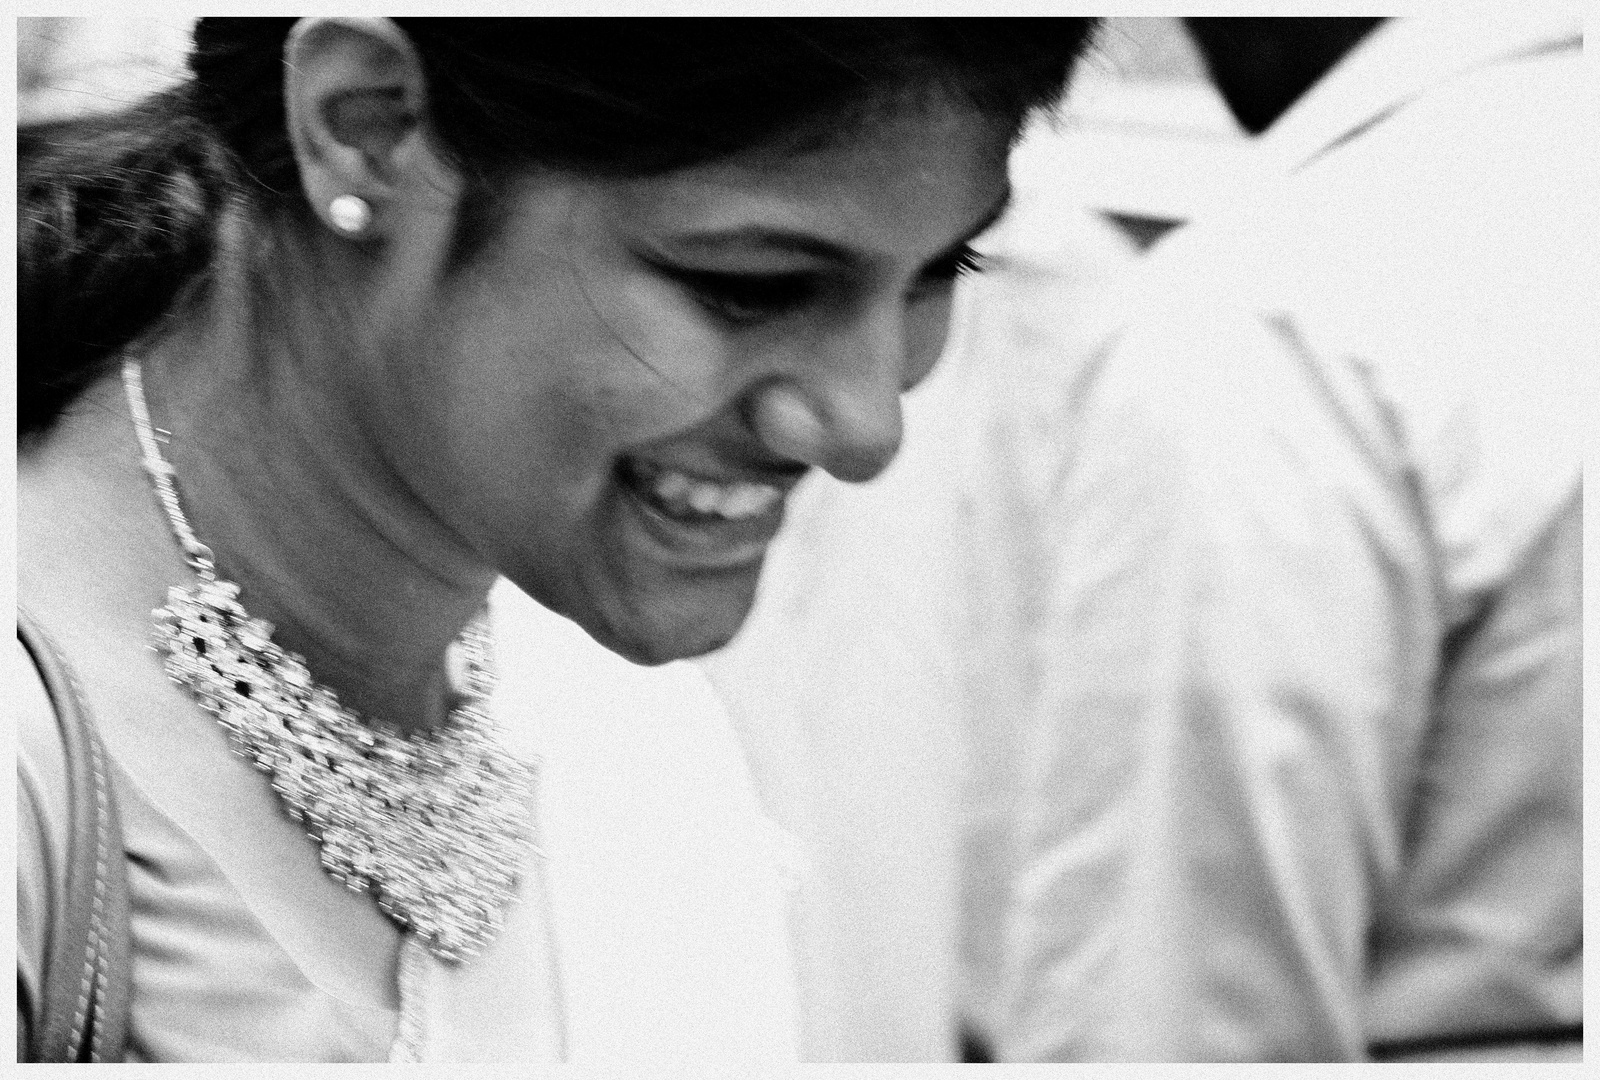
[(841, 412)]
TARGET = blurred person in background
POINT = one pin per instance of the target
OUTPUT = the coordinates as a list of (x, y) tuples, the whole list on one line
[(321, 342), (1301, 542)]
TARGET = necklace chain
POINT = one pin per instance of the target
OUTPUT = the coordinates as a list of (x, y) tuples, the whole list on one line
[(434, 824), (160, 470)]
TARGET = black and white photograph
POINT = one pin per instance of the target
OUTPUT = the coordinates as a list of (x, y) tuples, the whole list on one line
[(740, 540)]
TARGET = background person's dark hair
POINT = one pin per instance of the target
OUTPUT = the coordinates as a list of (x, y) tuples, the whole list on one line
[(1262, 65), (119, 216)]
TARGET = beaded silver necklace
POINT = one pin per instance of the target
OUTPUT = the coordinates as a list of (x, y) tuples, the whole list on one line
[(435, 825)]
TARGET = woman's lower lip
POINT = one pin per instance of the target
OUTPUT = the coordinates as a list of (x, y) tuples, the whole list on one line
[(708, 544)]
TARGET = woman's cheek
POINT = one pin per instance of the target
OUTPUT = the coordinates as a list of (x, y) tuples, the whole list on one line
[(665, 367)]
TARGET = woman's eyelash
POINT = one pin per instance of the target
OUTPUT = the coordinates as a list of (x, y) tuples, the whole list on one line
[(746, 297), (965, 260)]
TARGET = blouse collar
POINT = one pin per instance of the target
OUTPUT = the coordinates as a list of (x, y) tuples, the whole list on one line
[(1401, 59)]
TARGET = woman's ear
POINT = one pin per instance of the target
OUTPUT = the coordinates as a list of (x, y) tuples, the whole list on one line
[(355, 100)]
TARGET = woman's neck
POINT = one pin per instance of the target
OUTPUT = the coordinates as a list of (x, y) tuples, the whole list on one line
[(281, 480)]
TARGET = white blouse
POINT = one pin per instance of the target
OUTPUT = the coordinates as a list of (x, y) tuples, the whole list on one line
[(650, 926)]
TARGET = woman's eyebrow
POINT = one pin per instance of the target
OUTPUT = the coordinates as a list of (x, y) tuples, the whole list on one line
[(803, 243), (767, 236)]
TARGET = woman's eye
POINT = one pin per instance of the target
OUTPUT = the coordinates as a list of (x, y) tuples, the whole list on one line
[(747, 298)]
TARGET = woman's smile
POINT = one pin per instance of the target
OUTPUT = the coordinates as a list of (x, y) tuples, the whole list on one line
[(719, 518)]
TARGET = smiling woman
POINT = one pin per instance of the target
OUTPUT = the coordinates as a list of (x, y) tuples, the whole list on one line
[(381, 311)]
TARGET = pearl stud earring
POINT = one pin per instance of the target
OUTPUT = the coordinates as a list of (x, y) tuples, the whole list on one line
[(351, 215)]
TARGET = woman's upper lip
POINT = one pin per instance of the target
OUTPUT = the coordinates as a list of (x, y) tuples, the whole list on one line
[(779, 474)]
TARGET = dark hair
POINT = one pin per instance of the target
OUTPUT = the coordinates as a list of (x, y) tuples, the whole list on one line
[(1262, 65), (118, 216)]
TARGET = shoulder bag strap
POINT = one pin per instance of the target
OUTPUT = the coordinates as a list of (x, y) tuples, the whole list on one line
[(83, 1014)]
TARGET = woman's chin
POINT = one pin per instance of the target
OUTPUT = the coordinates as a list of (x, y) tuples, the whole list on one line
[(677, 624), (655, 652), (646, 613), (662, 641)]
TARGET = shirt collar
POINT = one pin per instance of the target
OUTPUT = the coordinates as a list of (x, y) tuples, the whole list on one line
[(1399, 60)]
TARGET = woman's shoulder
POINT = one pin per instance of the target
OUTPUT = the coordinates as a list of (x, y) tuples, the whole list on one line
[(93, 553)]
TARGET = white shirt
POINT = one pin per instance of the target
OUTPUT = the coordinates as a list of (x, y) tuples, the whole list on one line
[(1301, 769), (663, 870)]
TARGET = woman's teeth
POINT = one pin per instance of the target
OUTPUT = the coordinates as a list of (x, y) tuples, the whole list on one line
[(682, 495)]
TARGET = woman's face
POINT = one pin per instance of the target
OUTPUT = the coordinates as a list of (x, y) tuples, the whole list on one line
[(611, 400)]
